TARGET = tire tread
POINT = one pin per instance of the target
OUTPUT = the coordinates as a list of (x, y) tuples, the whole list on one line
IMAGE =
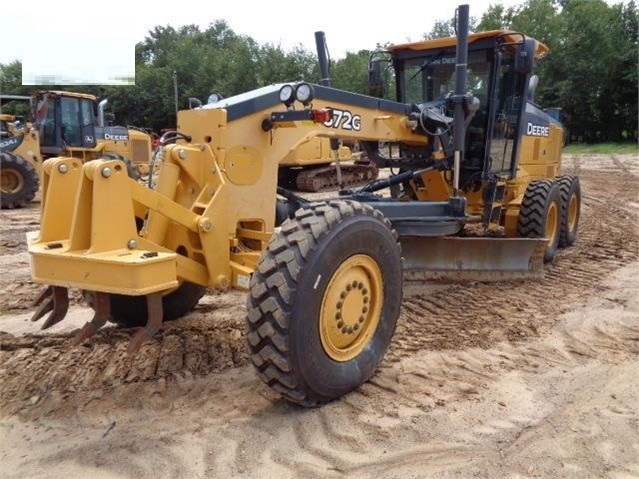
[(273, 286)]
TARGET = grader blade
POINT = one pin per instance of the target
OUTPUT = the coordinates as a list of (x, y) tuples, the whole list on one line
[(102, 307), (54, 299), (472, 259)]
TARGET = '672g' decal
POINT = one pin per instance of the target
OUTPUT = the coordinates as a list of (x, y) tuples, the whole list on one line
[(345, 120)]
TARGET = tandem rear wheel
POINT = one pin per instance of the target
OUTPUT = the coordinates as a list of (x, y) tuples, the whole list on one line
[(540, 215), (324, 301), (551, 209)]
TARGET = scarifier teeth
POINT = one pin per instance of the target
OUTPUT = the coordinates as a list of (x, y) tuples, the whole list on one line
[(153, 322), (102, 306), (44, 308), (46, 292), (87, 330), (44, 301), (54, 299)]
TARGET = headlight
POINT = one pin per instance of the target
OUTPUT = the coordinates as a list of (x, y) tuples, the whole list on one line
[(286, 95), (304, 93), (213, 98)]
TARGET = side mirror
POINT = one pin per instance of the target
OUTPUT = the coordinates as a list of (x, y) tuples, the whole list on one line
[(525, 56), (375, 81), (194, 103)]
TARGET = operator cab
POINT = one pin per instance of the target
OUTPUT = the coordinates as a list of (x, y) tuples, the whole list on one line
[(65, 120), (5, 131), (499, 67)]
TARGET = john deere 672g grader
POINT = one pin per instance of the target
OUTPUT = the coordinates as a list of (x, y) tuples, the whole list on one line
[(324, 279)]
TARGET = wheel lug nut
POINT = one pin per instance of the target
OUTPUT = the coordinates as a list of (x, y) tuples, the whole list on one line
[(344, 330), (354, 284), (338, 315), (360, 285), (364, 291), (348, 287), (340, 325), (339, 305), (364, 310), (361, 319), (343, 295), (350, 330), (365, 299), (355, 326)]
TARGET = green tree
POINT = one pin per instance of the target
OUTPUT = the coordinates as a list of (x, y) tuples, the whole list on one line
[(351, 72)]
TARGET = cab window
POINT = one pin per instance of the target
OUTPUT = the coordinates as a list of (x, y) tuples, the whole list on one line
[(70, 115)]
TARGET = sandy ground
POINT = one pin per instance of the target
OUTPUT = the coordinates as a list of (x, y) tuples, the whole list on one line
[(533, 379)]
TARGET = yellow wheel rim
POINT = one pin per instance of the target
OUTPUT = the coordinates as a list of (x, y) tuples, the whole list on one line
[(12, 181), (573, 212), (551, 222), (351, 307)]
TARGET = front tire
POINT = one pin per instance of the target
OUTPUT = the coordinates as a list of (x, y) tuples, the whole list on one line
[(324, 301), (540, 215), (20, 181), (131, 311)]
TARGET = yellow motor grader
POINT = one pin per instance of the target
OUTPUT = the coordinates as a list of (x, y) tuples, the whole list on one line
[(324, 279), (65, 123)]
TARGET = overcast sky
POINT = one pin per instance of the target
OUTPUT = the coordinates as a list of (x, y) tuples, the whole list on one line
[(51, 38)]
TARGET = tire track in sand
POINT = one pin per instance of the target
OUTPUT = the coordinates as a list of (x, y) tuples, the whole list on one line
[(458, 316)]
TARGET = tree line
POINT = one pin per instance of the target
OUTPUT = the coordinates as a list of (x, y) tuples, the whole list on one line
[(591, 71)]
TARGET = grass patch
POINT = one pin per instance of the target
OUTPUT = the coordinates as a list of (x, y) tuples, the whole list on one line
[(601, 149)]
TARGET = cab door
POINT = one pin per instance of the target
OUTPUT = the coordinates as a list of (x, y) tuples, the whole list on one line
[(87, 122), (508, 101)]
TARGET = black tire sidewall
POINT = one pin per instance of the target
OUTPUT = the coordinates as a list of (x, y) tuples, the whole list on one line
[(553, 196), (568, 236), (360, 234), (130, 311), (30, 181)]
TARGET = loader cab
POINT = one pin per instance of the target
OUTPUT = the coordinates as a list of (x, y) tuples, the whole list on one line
[(497, 76), (65, 120), (5, 131)]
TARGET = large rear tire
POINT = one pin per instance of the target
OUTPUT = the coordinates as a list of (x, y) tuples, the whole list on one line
[(20, 181), (570, 194), (324, 301), (131, 311), (540, 215)]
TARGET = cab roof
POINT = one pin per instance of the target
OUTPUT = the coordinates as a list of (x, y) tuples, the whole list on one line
[(67, 93), (507, 36)]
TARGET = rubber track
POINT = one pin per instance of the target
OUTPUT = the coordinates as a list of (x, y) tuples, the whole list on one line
[(325, 178), (273, 287), (532, 220)]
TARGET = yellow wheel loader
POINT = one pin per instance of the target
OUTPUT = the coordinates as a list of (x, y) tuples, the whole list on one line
[(324, 279), (20, 162), (65, 124)]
